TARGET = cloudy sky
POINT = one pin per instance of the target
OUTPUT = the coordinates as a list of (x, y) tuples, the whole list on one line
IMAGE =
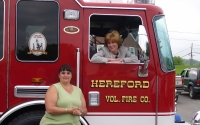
[(183, 23)]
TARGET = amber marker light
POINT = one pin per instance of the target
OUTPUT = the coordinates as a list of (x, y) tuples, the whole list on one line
[(37, 80)]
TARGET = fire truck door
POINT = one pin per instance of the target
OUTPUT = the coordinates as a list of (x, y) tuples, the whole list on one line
[(117, 87)]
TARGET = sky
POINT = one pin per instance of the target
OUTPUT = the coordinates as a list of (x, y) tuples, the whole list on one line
[(183, 24)]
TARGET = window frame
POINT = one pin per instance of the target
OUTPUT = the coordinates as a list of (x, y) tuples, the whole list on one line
[(3, 31), (123, 15), (57, 25)]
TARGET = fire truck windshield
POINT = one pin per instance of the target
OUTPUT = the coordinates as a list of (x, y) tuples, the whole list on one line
[(163, 44)]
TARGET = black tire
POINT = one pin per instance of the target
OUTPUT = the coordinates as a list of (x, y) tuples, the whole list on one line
[(28, 118), (192, 94)]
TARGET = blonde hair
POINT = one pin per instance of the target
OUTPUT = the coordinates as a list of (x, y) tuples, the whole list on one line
[(113, 36)]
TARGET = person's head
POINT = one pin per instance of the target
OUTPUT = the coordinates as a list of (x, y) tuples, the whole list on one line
[(113, 41), (65, 73)]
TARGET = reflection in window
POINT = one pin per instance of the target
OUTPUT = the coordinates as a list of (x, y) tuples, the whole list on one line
[(163, 44), (193, 74), (1, 27), (37, 31), (183, 73), (127, 26)]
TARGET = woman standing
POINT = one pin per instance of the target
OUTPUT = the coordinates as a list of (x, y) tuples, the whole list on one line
[(64, 102)]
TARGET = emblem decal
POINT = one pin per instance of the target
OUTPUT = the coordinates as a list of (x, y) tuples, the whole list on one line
[(37, 44), (71, 29)]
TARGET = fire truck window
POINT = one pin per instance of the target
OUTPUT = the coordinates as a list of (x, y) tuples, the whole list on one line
[(163, 45), (127, 26), (1, 27), (37, 30)]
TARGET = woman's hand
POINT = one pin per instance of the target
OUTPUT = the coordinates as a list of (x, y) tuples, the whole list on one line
[(111, 59), (77, 112), (72, 110), (118, 60)]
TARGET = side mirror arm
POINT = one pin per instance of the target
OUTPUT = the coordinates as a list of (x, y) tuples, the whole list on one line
[(143, 70)]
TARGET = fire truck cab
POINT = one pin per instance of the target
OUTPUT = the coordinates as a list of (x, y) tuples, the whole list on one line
[(38, 36)]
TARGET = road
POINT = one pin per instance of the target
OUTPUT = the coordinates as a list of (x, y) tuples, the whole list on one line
[(187, 107)]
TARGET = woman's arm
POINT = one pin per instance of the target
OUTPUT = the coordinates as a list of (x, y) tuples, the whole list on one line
[(50, 103), (99, 57), (81, 111), (84, 108), (129, 57)]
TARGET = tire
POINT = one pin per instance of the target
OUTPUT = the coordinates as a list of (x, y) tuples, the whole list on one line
[(192, 94), (28, 118)]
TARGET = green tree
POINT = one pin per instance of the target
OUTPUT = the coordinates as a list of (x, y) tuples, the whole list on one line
[(178, 60)]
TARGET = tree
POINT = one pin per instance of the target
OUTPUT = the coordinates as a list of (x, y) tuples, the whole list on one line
[(178, 60)]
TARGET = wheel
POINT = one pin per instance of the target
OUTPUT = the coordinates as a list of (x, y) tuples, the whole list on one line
[(192, 94), (28, 118)]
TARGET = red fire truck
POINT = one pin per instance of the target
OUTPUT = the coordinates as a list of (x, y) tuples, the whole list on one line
[(38, 36)]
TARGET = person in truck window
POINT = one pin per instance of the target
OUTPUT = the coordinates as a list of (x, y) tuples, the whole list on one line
[(113, 51), (64, 102)]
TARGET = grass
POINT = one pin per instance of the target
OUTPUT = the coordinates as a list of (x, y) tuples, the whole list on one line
[(179, 68)]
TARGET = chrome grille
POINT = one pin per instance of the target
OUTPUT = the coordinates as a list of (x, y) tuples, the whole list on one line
[(30, 91)]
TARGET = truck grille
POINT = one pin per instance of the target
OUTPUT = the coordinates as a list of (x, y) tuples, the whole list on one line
[(30, 91)]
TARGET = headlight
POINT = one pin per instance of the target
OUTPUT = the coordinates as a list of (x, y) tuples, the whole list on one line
[(71, 14)]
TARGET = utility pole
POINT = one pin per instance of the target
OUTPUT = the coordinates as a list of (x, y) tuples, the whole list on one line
[(191, 56)]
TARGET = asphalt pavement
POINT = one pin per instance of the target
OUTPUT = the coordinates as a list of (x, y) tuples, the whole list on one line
[(187, 107)]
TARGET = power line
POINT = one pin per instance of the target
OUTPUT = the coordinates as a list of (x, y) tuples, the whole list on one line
[(183, 54), (182, 50), (184, 32), (197, 52), (186, 55), (184, 39), (185, 49), (196, 48)]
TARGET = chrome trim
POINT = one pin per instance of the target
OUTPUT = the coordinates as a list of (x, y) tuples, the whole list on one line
[(132, 113), (8, 58), (140, 74), (9, 112), (197, 87), (109, 7), (94, 93), (30, 91), (78, 67), (83, 121), (156, 118)]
